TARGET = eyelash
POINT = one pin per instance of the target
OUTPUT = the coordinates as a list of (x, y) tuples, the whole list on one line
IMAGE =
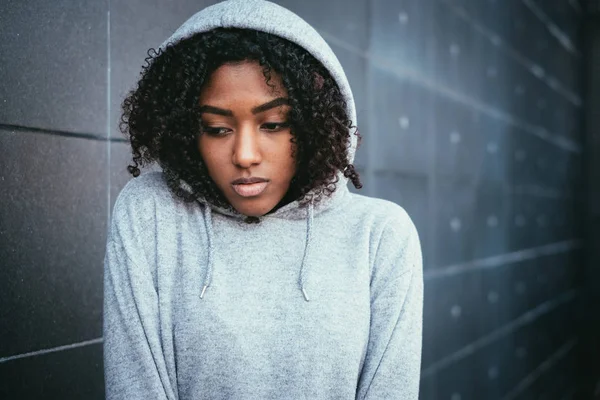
[(214, 131)]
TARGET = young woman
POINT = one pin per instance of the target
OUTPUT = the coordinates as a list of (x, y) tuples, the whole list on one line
[(246, 269)]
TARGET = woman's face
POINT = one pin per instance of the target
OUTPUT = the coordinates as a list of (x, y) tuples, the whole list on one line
[(245, 135)]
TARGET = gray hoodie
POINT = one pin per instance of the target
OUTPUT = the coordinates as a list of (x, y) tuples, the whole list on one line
[(317, 302)]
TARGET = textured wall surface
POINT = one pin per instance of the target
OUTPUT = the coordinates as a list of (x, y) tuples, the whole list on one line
[(591, 332), (471, 116), (474, 114)]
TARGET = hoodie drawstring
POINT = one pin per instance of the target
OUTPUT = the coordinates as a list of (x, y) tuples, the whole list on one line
[(309, 223), (209, 234)]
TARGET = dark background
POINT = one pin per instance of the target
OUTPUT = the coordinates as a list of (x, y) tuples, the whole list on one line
[(479, 117)]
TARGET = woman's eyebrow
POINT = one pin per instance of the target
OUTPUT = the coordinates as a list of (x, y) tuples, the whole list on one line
[(271, 104), (258, 109)]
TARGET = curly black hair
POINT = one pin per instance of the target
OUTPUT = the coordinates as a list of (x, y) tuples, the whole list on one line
[(161, 115)]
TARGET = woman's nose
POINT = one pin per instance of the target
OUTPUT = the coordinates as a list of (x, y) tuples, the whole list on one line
[(246, 150)]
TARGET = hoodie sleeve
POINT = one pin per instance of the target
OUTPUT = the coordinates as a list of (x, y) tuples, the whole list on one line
[(392, 364), (134, 365)]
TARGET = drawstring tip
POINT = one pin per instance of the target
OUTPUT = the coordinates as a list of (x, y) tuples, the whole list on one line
[(305, 295), (203, 289)]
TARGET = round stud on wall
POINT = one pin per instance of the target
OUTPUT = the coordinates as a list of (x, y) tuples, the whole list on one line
[(455, 311), (520, 287), (541, 220), (404, 122), (519, 90), (454, 137), (520, 155), (541, 103), (541, 45), (541, 163), (537, 70), (554, 84), (492, 148), (455, 224), (491, 72), (493, 372), (454, 50), (403, 18)]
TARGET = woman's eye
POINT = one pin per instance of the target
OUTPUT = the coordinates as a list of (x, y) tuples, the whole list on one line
[(269, 126), (275, 126), (214, 131)]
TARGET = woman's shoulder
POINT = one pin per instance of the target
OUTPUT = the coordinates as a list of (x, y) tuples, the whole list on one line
[(393, 236), (147, 186), (380, 211), (141, 197)]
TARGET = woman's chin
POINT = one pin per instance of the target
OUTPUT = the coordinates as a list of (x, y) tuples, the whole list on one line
[(253, 208)]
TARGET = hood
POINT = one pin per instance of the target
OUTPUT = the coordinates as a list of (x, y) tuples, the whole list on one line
[(265, 16)]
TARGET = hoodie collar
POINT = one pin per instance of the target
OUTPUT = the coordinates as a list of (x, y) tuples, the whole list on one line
[(291, 210), (207, 213)]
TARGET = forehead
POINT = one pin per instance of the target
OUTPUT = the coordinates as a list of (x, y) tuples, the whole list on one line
[(244, 79)]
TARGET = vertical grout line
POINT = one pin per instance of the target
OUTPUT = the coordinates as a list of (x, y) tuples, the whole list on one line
[(432, 186), (369, 138), (108, 112)]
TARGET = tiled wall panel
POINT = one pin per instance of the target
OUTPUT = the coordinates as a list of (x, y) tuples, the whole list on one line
[(471, 117)]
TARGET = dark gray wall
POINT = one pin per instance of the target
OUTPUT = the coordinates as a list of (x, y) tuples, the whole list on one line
[(471, 116), (591, 333), (474, 114)]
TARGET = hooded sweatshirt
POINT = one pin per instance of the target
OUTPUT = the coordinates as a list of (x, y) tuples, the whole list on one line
[(316, 302)]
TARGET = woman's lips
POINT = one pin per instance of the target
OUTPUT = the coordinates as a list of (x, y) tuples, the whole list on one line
[(250, 189)]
